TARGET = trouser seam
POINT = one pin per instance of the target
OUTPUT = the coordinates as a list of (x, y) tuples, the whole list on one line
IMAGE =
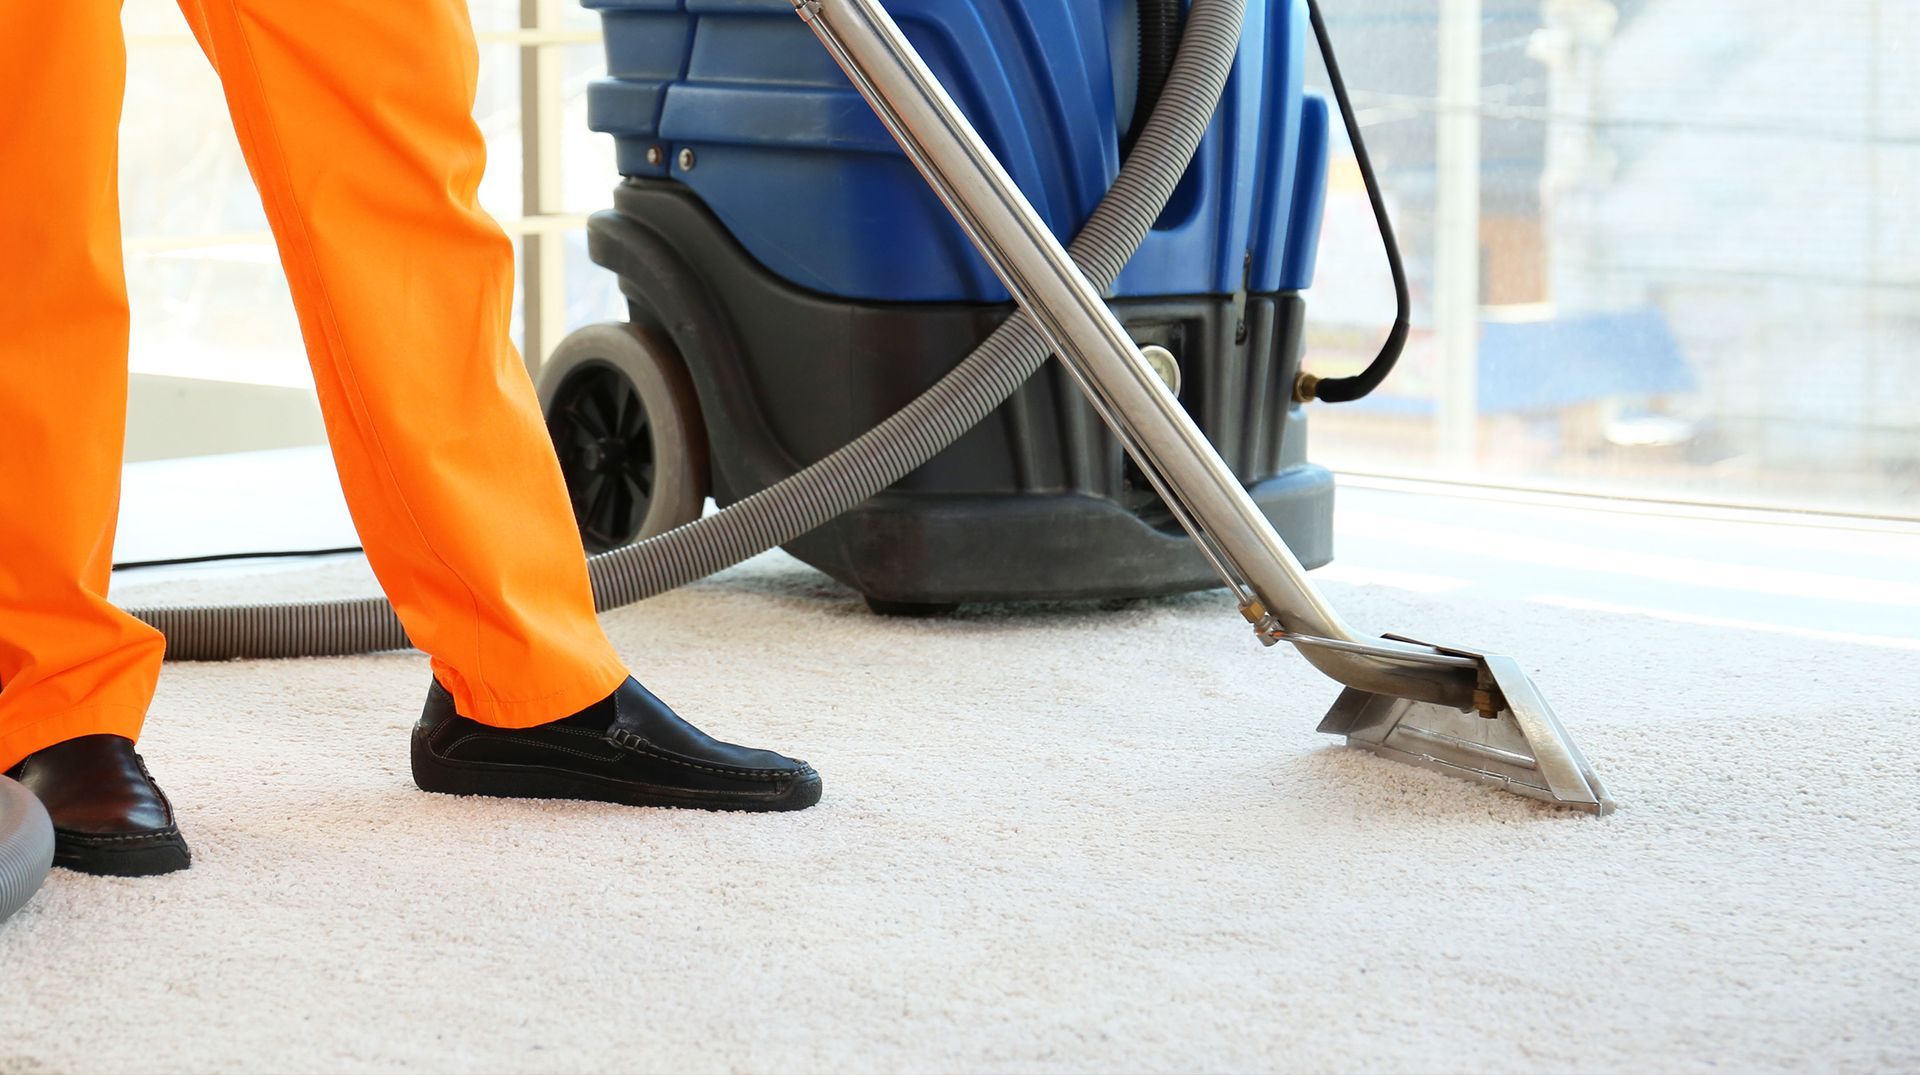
[(295, 224)]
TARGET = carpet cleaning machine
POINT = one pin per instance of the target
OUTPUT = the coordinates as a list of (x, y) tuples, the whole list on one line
[(792, 281)]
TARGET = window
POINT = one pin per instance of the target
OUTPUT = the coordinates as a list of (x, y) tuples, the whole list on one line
[(1689, 223)]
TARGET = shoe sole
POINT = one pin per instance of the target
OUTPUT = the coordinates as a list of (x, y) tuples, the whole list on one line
[(436, 774), (122, 856)]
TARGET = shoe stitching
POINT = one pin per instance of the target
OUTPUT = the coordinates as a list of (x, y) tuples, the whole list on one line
[(89, 838), (627, 740), (165, 802)]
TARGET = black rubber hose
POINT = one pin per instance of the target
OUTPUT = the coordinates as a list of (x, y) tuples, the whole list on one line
[(1348, 389), (1160, 24), (841, 481), (26, 846)]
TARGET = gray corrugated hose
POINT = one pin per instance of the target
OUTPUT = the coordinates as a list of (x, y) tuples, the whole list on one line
[(841, 481), (26, 846)]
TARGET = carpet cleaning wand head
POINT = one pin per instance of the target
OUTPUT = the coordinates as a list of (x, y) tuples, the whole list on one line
[(1463, 712)]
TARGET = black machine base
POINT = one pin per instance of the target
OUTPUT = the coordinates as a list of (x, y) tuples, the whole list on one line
[(1036, 503)]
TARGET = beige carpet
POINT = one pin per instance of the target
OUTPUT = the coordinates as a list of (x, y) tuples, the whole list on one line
[(1067, 839)]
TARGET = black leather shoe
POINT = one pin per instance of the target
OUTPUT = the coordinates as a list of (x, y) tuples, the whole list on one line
[(628, 748), (109, 817)]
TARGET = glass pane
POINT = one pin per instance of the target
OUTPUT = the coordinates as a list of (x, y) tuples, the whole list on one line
[(1691, 278), (209, 300), (495, 15), (588, 168), (588, 176)]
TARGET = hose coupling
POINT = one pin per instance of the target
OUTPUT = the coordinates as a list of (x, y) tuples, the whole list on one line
[(1304, 386), (1265, 626)]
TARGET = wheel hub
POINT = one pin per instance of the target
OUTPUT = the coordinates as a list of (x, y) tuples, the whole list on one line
[(606, 454), (605, 440)]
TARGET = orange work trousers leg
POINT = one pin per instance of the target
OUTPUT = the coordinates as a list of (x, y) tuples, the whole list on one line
[(70, 663), (356, 119)]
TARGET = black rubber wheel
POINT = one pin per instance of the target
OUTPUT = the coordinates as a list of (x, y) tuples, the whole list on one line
[(919, 610), (626, 424)]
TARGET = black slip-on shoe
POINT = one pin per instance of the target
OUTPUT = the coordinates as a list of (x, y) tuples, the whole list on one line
[(628, 748), (109, 817)]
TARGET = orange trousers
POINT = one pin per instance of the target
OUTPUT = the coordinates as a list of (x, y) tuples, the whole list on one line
[(356, 120)]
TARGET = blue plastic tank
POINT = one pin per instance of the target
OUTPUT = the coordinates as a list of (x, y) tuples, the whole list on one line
[(796, 166)]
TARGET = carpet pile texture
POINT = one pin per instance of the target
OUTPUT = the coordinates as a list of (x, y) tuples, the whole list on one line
[(1065, 838)]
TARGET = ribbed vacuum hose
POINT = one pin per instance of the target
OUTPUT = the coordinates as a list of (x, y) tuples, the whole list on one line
[(841, 481), (26, 846)]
